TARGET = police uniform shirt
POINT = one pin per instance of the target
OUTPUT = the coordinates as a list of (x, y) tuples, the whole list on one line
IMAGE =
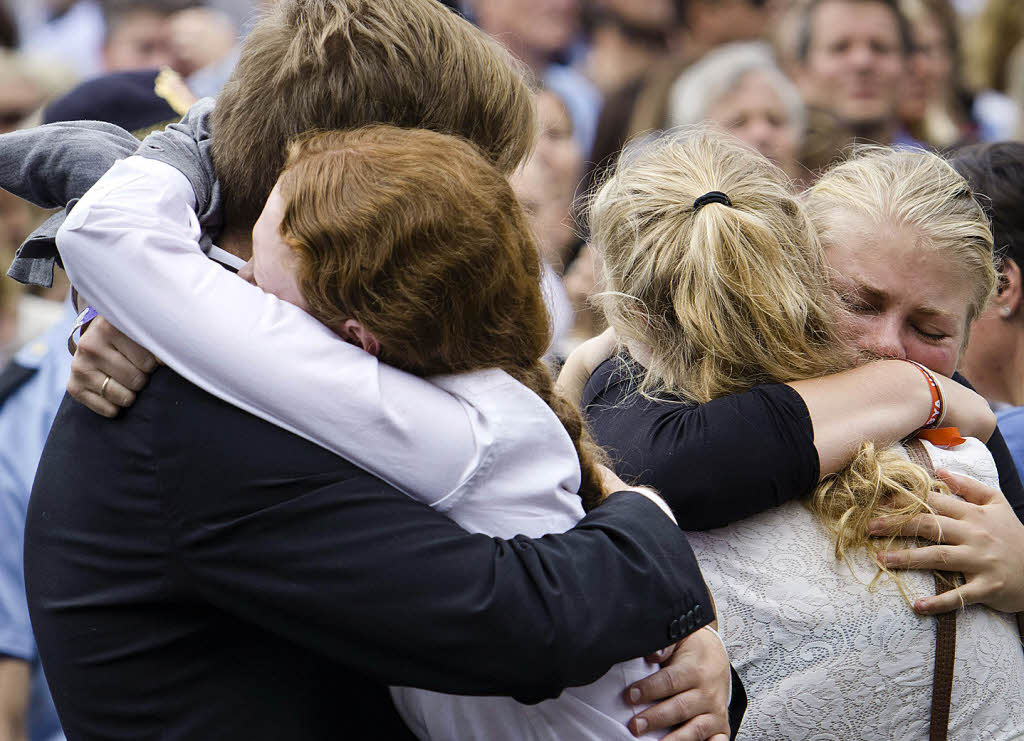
[(31, 389)]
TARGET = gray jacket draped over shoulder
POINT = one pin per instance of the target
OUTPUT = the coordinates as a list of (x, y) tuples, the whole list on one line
[(54, 165)]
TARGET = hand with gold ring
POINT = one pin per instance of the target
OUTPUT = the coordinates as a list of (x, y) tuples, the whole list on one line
[(108, 369)]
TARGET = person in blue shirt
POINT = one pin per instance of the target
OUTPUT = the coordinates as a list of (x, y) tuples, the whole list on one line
[(994, 361), (31, 389)]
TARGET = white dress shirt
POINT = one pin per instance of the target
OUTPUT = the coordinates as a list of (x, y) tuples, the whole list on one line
[(479, 446)]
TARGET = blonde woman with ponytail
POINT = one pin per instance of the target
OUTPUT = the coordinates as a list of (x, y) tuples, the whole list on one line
[(743, 393)]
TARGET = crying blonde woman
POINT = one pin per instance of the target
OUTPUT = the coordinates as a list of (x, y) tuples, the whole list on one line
[(763, 385)]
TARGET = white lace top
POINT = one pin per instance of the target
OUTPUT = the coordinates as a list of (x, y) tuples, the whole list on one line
[(823, 658)]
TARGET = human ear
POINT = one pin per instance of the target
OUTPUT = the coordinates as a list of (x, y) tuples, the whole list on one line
[(1011, 290), (353, 331)]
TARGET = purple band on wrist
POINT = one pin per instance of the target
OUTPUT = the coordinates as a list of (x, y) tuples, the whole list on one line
[(87, 315)]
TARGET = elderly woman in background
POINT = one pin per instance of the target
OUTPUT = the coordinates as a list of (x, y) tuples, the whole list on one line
[(740, 88)]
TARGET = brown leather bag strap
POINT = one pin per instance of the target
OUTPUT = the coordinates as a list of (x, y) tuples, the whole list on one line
[(945, 632), (942, 684)]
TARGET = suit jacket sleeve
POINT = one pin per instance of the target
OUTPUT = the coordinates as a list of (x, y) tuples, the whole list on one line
[(284, 535), (397, 591)]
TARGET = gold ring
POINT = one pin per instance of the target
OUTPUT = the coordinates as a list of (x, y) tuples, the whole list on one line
[(103, 388)]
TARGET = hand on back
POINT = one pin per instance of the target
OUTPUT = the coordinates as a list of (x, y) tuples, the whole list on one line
[(978, 536), (689, 695), (108, 369)]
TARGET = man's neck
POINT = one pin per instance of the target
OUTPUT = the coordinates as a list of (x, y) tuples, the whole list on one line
[(236, 242)]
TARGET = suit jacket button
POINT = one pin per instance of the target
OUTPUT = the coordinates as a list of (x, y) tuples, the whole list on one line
[(674, 633)]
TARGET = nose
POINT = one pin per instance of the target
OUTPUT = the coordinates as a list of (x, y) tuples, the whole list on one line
[(862, 57), (761, 134), (246, 273), (884, 338)]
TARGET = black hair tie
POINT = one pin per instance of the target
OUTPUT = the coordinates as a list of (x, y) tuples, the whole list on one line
[(715, 196)]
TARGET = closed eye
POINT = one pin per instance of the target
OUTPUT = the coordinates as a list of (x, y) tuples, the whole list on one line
[(931, 336)]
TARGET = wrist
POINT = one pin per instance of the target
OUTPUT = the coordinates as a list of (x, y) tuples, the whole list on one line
[(719, 637), (937, 406)]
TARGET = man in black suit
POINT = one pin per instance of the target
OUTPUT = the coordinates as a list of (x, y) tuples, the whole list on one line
[(194, 572)]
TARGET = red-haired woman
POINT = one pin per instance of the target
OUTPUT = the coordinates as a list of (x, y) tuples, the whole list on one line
[(410, 246)]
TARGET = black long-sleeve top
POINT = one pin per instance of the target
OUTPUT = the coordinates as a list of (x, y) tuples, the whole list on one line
[(731, 458)]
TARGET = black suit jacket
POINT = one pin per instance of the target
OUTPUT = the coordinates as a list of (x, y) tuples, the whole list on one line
[(194, 572)]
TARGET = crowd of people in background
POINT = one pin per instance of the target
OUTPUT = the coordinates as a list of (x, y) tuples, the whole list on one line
[(798, 80), (770, 96)]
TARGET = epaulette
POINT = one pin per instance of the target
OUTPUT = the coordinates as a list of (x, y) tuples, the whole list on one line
[(12, 378), (24, 365)]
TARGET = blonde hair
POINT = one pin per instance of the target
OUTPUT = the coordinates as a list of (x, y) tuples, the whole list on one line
[(906, 189), (910, 188), (342, 64), (726, 297)]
